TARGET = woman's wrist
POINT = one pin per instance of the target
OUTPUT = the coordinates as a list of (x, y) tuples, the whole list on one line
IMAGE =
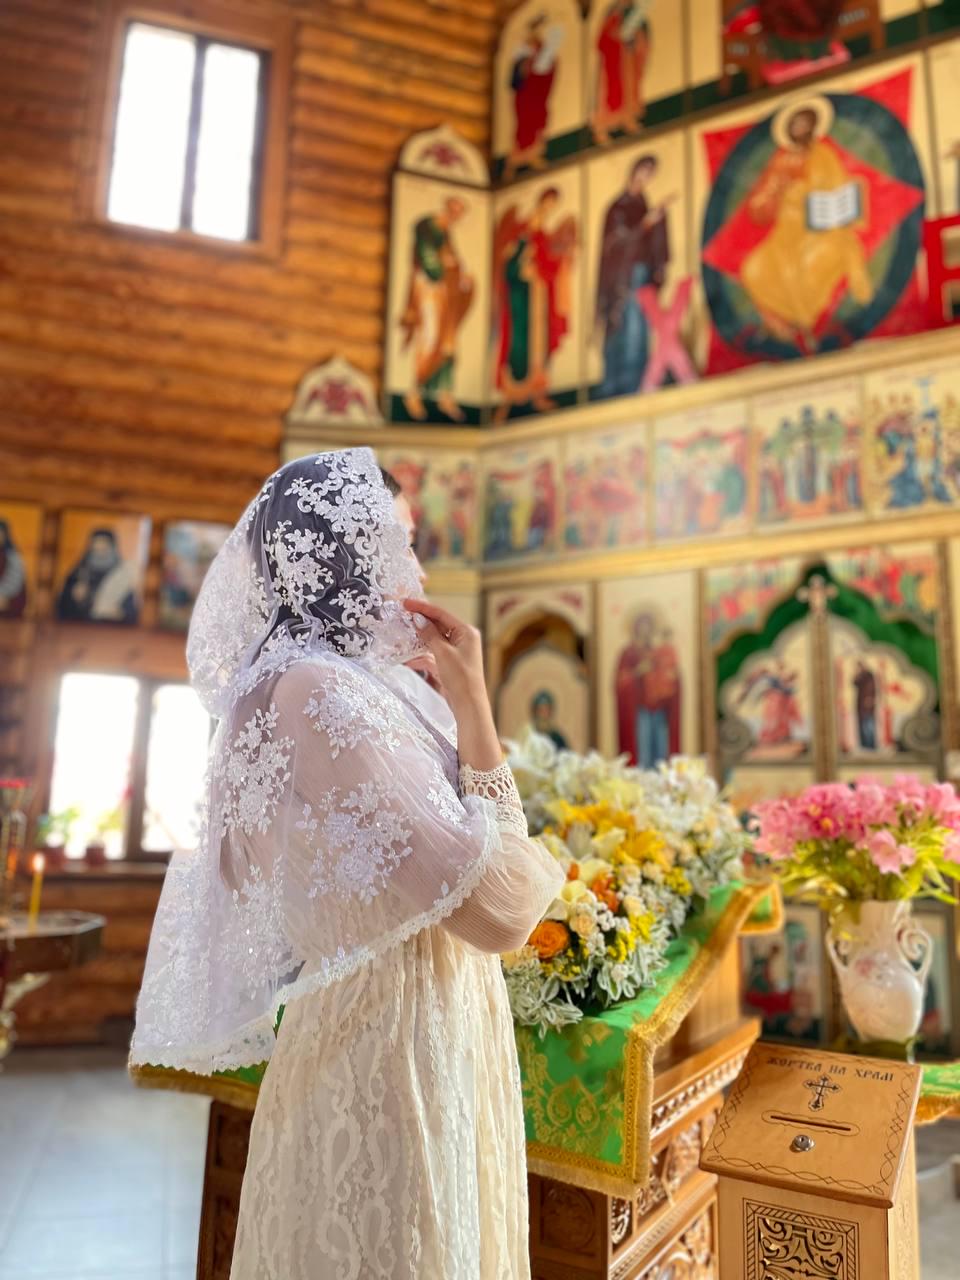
[(477, 738)]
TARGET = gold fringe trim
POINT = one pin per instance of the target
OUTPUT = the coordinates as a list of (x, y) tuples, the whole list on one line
[(775, 923), (937, 1106), (235, 1093)]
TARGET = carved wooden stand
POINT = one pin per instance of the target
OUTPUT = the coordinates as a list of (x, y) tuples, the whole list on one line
[(669, 1229)]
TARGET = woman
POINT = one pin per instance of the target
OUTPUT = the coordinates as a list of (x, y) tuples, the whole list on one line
[(360, 872)]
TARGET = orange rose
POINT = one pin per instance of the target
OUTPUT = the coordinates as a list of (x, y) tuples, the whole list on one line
[(549, 938), (603, 890)]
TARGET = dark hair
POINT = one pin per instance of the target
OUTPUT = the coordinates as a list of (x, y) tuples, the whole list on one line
[(550, 193), (393, 486), (646, 161)]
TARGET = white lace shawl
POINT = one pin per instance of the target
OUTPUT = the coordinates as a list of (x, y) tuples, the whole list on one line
[(337, 824)]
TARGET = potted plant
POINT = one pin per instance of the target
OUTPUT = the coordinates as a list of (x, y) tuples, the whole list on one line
[(53, 833), (863, 853), (95, 853)]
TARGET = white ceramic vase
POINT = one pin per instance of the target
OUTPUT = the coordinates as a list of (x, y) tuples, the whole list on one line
[(882, 961)]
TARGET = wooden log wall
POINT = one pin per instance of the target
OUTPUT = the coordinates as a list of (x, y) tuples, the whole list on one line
[(144, 373)]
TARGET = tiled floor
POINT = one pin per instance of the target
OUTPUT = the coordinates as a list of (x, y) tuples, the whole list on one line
[(101, 1181)]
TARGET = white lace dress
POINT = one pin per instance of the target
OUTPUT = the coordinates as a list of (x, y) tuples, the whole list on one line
[(388, 1140)]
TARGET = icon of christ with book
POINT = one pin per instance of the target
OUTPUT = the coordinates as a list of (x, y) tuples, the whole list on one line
[(815, 209)]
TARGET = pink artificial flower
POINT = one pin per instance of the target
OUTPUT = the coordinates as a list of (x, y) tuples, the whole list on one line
[(943, 804), (909, 793), (951, 847), (829, 811), (875, 804), (887, 855)]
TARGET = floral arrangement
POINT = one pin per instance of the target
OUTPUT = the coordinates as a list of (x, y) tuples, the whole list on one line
[(837, 845), (640, 849)]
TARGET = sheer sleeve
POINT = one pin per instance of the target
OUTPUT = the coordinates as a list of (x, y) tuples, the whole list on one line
[(385, 828)]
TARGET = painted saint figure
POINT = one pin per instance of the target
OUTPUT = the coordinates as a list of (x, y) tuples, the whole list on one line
[(101, 587), (776, 689), (533, 69), (648, 690), (13, 576), (865, 693), (623, 45), (634, 253), (543, 714), (814, 208), (438, 299), (534, 296)]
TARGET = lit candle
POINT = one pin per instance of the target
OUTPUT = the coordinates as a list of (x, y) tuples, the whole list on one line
[(37, 864)]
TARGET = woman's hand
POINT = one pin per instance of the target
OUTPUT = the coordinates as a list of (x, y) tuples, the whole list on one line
[(458, 653)]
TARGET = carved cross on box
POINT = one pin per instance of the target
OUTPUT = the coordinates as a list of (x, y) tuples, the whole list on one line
[(822, 1086)]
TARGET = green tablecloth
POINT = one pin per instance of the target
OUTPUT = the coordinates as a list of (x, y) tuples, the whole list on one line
[(939, 1092)]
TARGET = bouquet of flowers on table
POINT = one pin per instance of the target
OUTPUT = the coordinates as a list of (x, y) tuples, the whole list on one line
[(640, 849)]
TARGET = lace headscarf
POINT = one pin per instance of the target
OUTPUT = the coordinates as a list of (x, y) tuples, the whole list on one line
[(333, 827), (320, 561)]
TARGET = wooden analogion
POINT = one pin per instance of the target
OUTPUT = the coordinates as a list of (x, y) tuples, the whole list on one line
[(814, 1152)]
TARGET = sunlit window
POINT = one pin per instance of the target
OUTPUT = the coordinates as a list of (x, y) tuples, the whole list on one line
[(176, 764), (186, 136), (93, 750)]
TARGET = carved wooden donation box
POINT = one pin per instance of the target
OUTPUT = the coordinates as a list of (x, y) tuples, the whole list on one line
[(814, 1153)]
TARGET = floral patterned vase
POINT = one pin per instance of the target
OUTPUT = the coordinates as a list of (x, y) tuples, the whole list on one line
[(882, 960)]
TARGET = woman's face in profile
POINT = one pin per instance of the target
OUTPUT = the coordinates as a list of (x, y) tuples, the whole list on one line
[(401, 509)]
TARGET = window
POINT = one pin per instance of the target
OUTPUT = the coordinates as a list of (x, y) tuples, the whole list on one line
[(187, 126), (129, 764), (187, 135)]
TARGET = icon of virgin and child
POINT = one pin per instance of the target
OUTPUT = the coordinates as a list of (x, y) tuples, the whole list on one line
[(649, 687)]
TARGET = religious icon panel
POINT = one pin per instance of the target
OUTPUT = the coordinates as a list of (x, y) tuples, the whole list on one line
[(521, 501), (938, 1032), (546, 689), (438, 301), (741, 46), (538, 98), (101, 563), (944, 63), (811, 218), (762, 654), (809, 453), (913, 424), (701, 480), (883, 652), (649, 672), (536, 362), (21, 530), (536, 658), (441, 488), (605, 490), (189, 547), (786, 981), (634, 60), (638, 280)]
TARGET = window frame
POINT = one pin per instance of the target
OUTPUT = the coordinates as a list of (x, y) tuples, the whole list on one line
[(270, 36), (147, 684)]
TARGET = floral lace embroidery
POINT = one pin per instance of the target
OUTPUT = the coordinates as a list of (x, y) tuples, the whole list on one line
[(255, 772), (441, 795), (357, 839), (350, 710), (499, 786)]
